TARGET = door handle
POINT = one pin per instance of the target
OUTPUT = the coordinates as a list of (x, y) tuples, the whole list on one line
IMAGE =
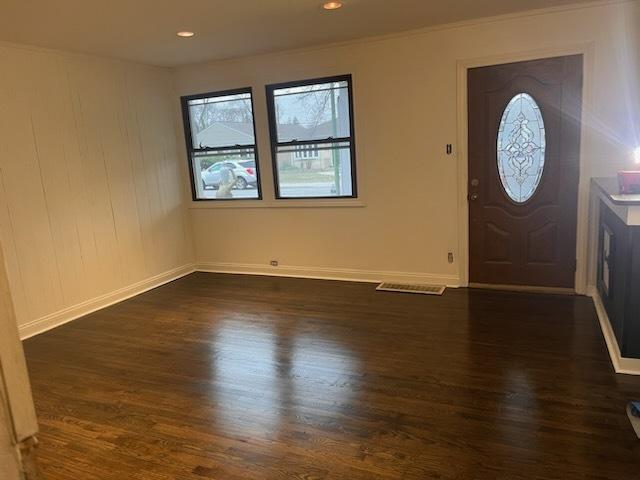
[(473, 196)]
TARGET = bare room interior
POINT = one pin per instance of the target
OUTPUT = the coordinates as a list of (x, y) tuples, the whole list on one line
[(302, 239)]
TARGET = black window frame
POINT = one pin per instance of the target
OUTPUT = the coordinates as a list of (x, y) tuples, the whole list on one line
[(191, 151), (273, 133)]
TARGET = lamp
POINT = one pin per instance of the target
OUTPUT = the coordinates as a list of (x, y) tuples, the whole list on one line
[(629, 180)]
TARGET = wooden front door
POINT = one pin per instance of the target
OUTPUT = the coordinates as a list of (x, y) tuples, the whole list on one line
[(524, 151)]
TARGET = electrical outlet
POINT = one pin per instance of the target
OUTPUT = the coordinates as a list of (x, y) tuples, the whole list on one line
[(450, 257), (274, 263)]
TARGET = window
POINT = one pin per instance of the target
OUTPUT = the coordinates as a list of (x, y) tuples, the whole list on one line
[(312, 138), (521, 148), (304, 152), (221, 145)]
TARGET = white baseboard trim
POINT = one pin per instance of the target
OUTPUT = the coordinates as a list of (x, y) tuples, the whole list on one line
[(55, 319), (322, 273), (627, 366)]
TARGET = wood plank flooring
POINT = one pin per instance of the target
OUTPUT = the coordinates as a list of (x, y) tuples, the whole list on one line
[(237, 377)]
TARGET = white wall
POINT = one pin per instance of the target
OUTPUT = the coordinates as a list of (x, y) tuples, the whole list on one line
[(406, 96), (91, 193)]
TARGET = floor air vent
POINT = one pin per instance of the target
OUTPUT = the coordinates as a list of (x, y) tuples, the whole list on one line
[(408, 288)]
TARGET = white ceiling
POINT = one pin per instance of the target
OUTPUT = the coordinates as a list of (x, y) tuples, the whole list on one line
[(144, 30)]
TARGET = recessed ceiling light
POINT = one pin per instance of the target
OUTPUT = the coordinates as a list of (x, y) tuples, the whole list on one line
[(185, 34), (332, 5)]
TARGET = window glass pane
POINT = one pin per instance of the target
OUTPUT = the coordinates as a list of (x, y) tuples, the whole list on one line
[(521, 148), (312, 112), (222, 152), (327, 174), (230, 174), (221, 121)]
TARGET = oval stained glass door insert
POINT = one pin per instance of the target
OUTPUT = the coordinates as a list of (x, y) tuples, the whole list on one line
[(521, 148)]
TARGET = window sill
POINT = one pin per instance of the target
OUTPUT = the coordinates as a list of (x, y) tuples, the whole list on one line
[(324, 203)]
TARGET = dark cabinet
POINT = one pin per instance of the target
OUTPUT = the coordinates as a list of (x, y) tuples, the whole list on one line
[(619, 279)]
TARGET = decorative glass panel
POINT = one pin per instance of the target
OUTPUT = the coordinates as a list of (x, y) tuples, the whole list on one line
[(521, 148)]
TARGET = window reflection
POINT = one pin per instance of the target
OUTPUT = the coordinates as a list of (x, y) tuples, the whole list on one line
[(267, 374)]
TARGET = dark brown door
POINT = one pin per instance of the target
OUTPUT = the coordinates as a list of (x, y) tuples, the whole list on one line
[(524, 150)]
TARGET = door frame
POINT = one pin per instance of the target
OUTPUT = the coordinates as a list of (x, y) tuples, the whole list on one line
[(582, 234)]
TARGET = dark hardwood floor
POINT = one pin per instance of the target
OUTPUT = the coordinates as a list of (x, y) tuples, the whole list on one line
[(235, 377)]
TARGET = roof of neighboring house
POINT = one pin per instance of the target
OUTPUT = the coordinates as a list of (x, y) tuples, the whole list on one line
[(221, 134)]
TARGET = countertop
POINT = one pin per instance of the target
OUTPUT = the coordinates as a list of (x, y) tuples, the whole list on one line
[(610, 188)]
